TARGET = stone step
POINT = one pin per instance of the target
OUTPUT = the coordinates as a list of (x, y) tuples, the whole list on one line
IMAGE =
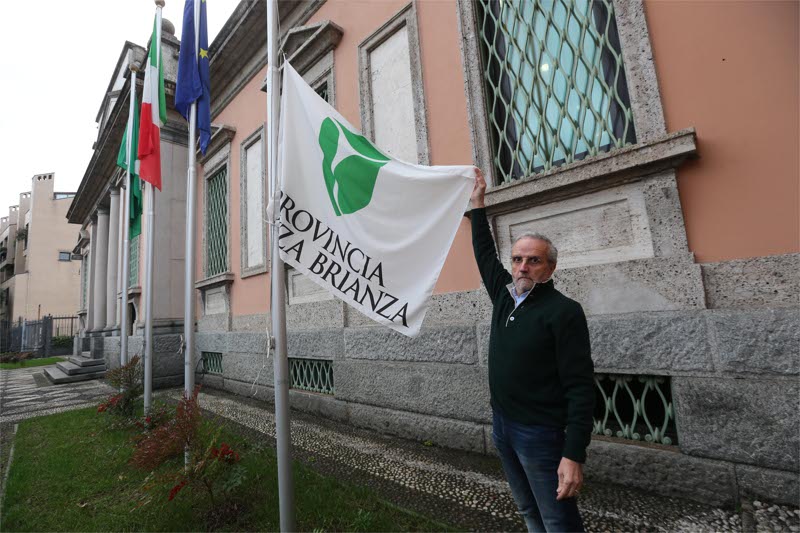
[(73, 369), (88, 355), (82, 361), (58, 377)]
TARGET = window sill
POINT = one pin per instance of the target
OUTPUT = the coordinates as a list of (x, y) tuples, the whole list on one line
[(226, 278), (135, 290), (606, 170), (249, 272)]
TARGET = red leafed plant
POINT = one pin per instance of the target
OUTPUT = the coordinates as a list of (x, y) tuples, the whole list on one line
[(171, 438), (210, 468), (225, 453), (128, 379)]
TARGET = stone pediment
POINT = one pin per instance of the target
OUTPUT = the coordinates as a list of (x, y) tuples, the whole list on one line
[(305, 45)]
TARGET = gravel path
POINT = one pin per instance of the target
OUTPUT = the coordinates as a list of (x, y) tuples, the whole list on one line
[(458, 487), (469, 489), (26, 392)]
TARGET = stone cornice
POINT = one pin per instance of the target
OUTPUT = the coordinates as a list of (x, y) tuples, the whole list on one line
[(226, 278), (100, 171), (221, 136), (307, 44), (623, 165), (239, 50)]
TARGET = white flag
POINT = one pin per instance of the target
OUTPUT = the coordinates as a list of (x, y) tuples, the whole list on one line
[(371, 229)]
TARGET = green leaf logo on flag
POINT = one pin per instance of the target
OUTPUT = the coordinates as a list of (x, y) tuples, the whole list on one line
[(351, 183)]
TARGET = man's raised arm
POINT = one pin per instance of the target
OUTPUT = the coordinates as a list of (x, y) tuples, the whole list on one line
[(494, 276)]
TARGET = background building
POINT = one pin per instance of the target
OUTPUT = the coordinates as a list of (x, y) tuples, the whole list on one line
[(636, 134), (37, 274)]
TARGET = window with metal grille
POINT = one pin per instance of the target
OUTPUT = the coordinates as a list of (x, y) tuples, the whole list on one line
[(634, 407), (314, 375), (212, 362), (84, 280), (322, 90), (555, 83), (217, 223), (133, 259)]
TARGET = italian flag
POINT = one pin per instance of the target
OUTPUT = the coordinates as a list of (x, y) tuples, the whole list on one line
[(153, 115)]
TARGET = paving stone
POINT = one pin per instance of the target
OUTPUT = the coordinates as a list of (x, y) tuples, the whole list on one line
[(22, 394), (462, 488)]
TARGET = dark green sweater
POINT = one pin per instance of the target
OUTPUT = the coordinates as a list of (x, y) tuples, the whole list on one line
[(540, 364)]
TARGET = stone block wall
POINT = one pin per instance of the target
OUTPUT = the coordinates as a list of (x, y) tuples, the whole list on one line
[(167, 361), (733, 370)]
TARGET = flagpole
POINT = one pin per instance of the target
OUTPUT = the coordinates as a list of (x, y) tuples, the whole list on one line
[(148, 302), (277, 289), (149, 237), (191, 200), (121, 227), (126, 224)]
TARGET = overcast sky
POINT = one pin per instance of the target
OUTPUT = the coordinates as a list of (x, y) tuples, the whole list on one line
[(57, 60)]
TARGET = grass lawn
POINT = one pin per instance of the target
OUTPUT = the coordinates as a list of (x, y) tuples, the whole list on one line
[(71, 472), (28, 363)]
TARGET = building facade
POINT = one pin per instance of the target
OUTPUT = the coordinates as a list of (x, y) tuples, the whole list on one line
[(97, 208), (38, 275), (668, 182)]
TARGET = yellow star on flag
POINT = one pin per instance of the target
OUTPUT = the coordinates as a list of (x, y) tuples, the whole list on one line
[(203, 53)]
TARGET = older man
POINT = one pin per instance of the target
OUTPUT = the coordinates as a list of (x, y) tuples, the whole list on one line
[(540, 376)]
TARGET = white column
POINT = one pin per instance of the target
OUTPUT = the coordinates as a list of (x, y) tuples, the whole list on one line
[(113, 254), (101, 270)]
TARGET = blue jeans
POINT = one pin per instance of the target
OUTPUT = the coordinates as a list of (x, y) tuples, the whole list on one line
[(530, 456)]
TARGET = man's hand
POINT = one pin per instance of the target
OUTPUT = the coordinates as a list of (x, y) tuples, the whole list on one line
[(478, 190), (570, 479)]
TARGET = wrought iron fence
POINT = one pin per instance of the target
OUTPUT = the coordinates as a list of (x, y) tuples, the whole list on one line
[(5, 335), (635, 407), (34, 335), (64, 326), (313, 375), (45, 336)]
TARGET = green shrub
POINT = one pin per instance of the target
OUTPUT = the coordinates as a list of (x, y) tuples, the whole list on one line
[(62, 341)]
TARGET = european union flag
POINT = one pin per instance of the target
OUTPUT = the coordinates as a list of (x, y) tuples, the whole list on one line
[(193, 82)]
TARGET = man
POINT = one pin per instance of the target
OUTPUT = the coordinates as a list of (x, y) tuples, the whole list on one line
[(541, 376)]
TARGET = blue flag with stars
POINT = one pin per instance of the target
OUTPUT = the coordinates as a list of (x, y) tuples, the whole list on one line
[(193, 82)]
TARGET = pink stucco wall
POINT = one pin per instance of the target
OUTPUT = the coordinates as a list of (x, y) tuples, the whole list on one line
[(732, 70), (448, 131), (740, 198), (443, 80), (247, 112)]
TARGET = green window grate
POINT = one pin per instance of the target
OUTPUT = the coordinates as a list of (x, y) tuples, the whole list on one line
[(84, 280), (133, 259), (212, 362), (217, 223), (555, 83), (634, 407), (314, 375)]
